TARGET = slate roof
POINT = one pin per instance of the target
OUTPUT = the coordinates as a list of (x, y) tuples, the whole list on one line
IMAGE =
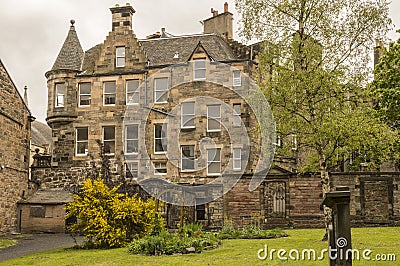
[(161, 51), (49, 197), (71, 54), (40, 134)]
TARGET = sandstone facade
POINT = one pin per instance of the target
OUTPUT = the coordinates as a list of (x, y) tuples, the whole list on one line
[(15, 120)]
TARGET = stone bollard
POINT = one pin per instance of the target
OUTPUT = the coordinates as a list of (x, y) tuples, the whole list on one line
[(339, 234)]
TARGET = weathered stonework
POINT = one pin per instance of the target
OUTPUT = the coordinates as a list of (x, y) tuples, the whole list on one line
[(284, 199), (15, 122)]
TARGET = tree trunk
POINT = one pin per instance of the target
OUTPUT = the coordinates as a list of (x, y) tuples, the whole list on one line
[(326, 187)]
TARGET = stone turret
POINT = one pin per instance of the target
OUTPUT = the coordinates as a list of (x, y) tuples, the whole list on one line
[(62, 97), (60, 80)]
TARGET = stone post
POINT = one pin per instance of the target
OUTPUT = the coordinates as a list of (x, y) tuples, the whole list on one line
[(339, 229)]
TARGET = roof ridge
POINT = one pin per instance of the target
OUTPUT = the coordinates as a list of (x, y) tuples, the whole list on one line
[(179, 36)]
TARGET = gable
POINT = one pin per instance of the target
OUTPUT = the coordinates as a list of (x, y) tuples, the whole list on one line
[(11, 104), (103, 57)]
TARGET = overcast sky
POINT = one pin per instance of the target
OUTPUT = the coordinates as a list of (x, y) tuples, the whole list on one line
[(33, 31)]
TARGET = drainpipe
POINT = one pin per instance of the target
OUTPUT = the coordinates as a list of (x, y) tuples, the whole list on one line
[(145, 89)]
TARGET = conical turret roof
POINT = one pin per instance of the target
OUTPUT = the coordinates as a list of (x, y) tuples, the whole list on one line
[(71, 54)]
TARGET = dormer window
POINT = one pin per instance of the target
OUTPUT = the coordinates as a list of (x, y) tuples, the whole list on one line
[(120, 56), (199, 69), (237, 79)]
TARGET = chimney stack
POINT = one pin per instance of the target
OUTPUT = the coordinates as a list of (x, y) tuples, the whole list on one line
[(122, 17), (220, 24)]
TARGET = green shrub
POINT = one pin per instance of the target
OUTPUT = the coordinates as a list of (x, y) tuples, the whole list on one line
[(191, 229), (249, 232), (108, 219), (189, 236)]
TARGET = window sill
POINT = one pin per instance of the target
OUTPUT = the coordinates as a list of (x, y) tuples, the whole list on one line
[(188, 171), (188, 128), (160, 153), (213, 175)]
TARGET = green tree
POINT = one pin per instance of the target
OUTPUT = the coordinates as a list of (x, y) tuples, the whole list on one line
[(386, 86), (107, 218), (315, 68)]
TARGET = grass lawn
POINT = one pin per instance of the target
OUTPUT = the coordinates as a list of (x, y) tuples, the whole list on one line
[(232, 252), (6, 243)]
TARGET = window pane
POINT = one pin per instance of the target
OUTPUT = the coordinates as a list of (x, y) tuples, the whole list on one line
[(109, 147), (131, 139), (120, 51), (214, 168), (200, 74), (199, 67), (81, 148), (131, 146), (131, 169), (237, 120), (60, 92), (81, 134), (161, 84), (188, 114), (213, 124), (109, 133), (199, 64), (132, 132), (60, 100), (237, 159), (132, 85), (160, 138), (160, 168), (84, 100), (187, 157), (188, 108), (109, 99), (161, 96), (188, 151), (120, 61), (84, 88), (161, 89), (157, 130), (109, 87), (214, 111), (236, 74), (213, 155), (236, 108)]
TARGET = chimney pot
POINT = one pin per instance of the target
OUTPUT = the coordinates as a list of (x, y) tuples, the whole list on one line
[(162, 30), (128, 4), (226, 7)]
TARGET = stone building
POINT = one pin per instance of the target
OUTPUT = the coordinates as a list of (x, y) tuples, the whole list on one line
[(15, 124), (167, 106), (172, 108)]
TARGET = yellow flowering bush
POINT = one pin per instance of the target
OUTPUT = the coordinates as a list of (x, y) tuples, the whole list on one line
[(108, 219)]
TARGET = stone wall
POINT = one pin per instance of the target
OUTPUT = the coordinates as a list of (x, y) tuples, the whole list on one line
[(375, 197), (52, 220), (14, 151), (289, 200)]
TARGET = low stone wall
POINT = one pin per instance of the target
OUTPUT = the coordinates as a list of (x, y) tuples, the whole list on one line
[(283, 200)]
